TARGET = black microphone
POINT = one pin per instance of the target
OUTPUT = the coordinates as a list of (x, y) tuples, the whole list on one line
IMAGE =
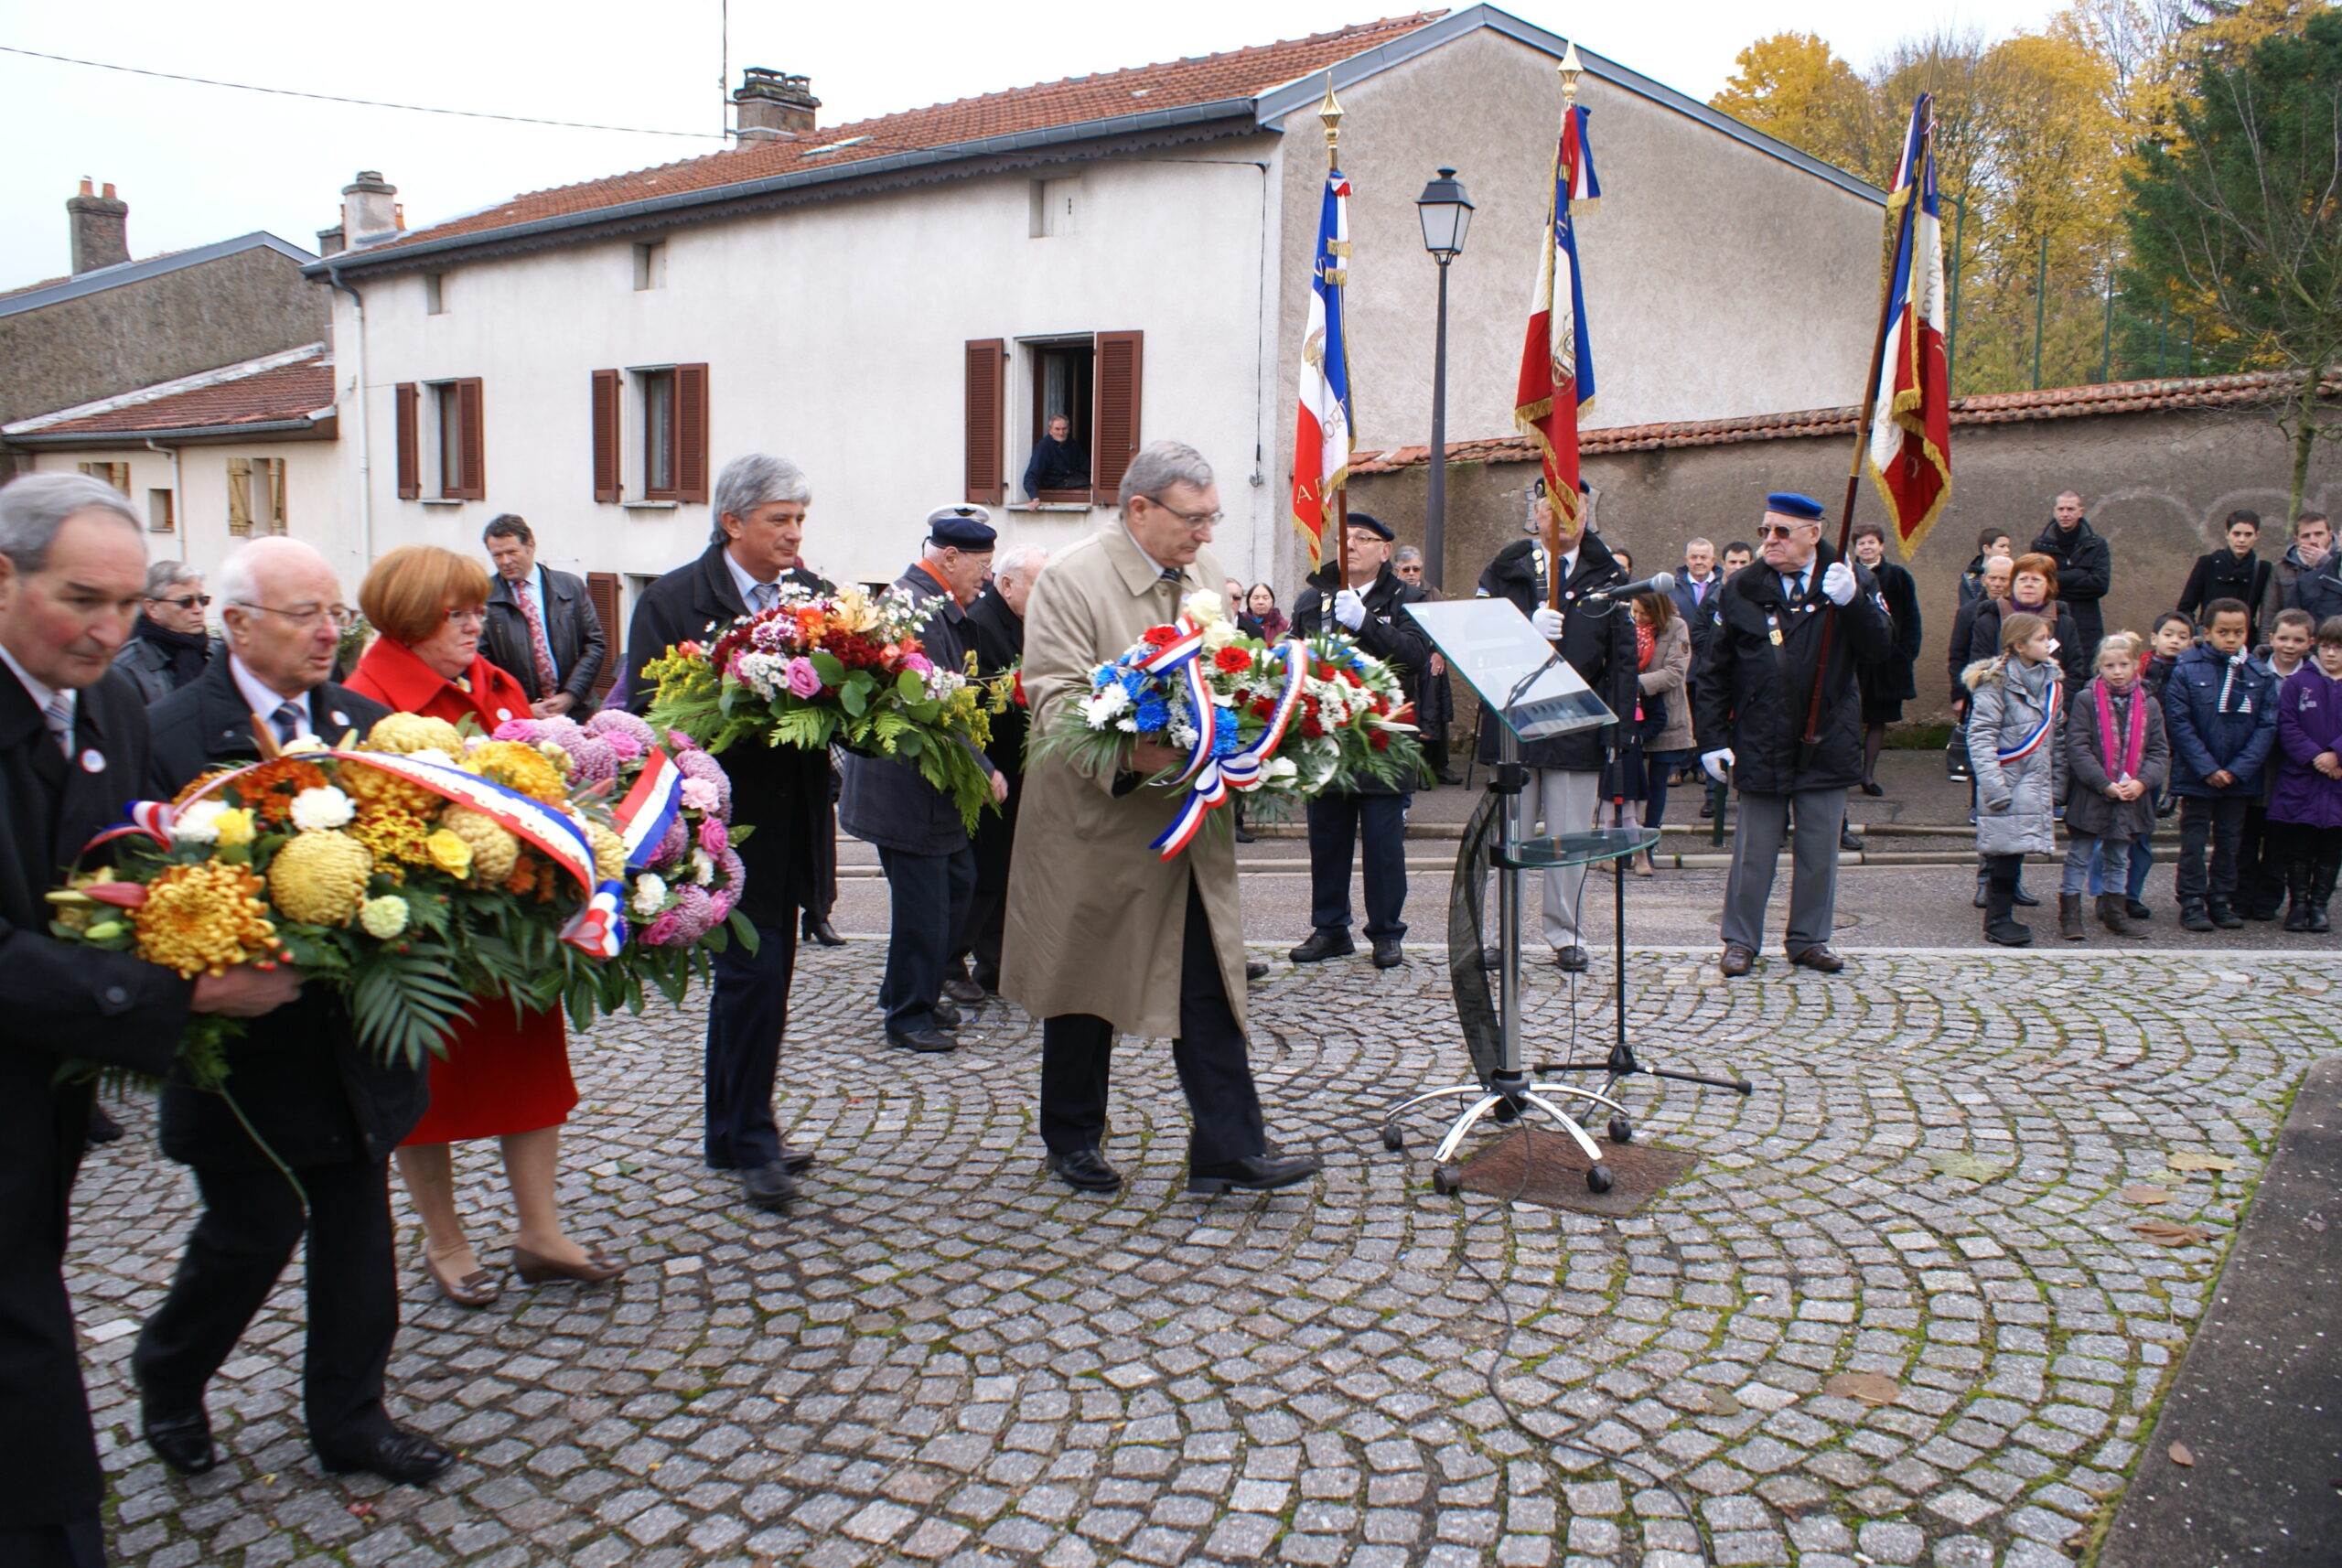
[(1657, 583)]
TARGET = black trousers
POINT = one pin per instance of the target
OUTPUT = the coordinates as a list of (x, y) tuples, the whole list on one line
[(745, 1018), (1077, 1049), (822, 883), (2218, 821), (251, 1221), (81, 1544), (1335, 823), (2261, 861), (987, 927), (929, 896)]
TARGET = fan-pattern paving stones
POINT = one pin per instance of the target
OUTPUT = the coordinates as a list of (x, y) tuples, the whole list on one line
[(941, 1356)]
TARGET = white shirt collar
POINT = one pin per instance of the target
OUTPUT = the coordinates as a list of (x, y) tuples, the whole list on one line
[(262, 698), (740, 580), (40, 692), (1159, 567)]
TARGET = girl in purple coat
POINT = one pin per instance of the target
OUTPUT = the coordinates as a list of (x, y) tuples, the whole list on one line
[(2305, 806)]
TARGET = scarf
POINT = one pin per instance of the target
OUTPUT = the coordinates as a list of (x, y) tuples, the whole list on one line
[(1645, 645), (2228, 681), (2134, 739), (188, 650)]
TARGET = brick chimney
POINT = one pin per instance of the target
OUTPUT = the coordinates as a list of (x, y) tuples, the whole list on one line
[(100, 228), (368, 212), (772, 106)]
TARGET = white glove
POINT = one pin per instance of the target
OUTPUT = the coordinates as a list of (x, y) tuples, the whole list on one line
[(1839, 584), (1548, 622), (1716, 761), (1349, 609)]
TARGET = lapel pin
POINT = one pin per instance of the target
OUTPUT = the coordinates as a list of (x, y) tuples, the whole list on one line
[(93, 761), (340, 717)]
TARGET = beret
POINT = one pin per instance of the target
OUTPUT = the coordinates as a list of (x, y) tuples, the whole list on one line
[(1374, 525), (1789, 503)]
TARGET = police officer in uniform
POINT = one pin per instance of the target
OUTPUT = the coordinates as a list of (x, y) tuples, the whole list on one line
[(1596, 640), (1764, 642), (1368, 608)]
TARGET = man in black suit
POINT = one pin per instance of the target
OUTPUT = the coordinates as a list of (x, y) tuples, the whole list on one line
[(782, 791), (72, 753), (996, 621), (924, 847), (541, 626), (325, 1105), (821, 893)]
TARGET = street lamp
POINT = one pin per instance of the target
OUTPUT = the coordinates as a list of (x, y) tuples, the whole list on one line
[(1446, 214)]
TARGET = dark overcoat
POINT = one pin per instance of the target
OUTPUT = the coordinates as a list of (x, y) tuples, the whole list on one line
[(1894, 678), (62, 1001), (1597, 642), (1389, 633), (998, 634), (886, 800)]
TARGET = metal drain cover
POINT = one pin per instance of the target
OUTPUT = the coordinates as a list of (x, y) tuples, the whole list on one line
[(1555, 1171)]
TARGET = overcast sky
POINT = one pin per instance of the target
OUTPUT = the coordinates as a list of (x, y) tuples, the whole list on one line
[(198, 163)]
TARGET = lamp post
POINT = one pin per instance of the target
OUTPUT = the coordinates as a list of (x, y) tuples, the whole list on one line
[(1446, 214)]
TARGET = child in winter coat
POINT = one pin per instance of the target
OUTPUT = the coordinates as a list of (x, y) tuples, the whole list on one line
[(2016, 702), (2117, 757), (2219, 707), (2306, 808)]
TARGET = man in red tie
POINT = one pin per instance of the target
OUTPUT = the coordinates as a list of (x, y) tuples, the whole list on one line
[(542, 628)]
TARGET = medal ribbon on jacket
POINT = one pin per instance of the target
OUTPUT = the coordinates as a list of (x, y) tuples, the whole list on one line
[(1211, 778), (2033, 742)]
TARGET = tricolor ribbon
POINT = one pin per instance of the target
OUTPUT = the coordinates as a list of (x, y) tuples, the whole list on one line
[(2032, 742), (599, 930), (649, 808), (1212, 778), (148, 819)]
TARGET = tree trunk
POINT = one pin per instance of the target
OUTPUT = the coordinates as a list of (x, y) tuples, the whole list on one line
[(2304, 437)]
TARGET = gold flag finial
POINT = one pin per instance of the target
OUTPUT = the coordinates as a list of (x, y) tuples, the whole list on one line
[(1571, 69), (1330, 111)]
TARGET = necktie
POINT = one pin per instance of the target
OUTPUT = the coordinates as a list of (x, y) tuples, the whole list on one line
[(286, 722), (1699, 594), (1793, 583), (540, 650), (763, 597), (1169, 576), (59, 717)]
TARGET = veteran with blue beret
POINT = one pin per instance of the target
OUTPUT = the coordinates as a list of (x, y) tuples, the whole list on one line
[(1770, 631)]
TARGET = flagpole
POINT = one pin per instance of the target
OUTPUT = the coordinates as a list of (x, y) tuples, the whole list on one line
[(1330, 113), (1905, 225), (1551, 535)]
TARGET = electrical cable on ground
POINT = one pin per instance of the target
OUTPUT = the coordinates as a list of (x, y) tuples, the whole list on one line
[(361, 102)]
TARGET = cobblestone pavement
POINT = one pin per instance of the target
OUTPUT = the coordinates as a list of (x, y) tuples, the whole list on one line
[(942, 1356)]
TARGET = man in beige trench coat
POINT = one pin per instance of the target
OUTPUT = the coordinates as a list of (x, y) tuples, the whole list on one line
[(1102, 936)]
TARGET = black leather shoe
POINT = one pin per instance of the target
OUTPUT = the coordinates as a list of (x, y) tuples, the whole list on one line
[(1086, 1170), (182, 1440), (1570, 960), (960, 988), (1492, 958), (2137, 911), (2024, 900), (1738, 957), (103, 1129), (1260, 1172), (794, 1162), (1243, 837), (1323, 945), (1850, 841), (1874, 789), (769, 1188), (818, 930), (2194, 916), (927, 1042), (1255, 970), (945, 1013), (1387, 954), (400, 1456), (1818, 958), (2225, 916)]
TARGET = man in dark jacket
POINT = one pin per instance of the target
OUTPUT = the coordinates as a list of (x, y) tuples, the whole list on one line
[(2085, 569), (72, 756), (996, 624), (168, 647), (2220, 709), (1597, 639), (821, 890), (782, 791), (2309, 577), (2235, 573), (1765, 648), (923, 846), (314, 1098), (1057, 463), (543, 628), (1368, 608)]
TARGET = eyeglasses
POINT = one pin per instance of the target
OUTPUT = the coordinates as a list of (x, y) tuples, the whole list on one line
[(1777, 530), (307, 617), (188, 602), (1196, 519), (476, 616)]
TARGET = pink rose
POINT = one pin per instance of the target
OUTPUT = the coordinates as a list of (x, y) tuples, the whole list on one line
[(516, 729), (625, 745), (722, 902), (918, 661), (677, 741), (699, 795), (662, 931), (804, 681), (712, 837)]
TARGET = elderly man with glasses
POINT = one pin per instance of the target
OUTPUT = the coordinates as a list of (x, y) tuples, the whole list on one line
[(168, 644), (1766, 633)]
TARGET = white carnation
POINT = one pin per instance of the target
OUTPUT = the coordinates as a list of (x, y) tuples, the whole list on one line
[(650, 895), (321, 807), (198, 824), (702, 867)]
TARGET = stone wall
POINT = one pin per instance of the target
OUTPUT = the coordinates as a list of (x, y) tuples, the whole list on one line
[(2157, 484)]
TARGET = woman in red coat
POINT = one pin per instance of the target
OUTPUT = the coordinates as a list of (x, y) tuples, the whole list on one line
[(504, 1077)]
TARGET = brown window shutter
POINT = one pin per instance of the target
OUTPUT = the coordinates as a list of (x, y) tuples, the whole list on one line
[(987, 369), (275, 494), (690, 433), (469, 416), (1114, 441), (608, 387), (602, 589), (410, 442), (240, 497)]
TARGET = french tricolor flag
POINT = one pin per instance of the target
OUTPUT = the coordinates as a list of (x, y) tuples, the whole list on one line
[(649, 808), (1908, 453)]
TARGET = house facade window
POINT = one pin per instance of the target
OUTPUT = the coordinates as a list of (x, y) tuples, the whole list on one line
[(162, 511), (1094, 381), (115, 473), (660, 413), (256, 497), (442, 439), (651, 265), (658, 391), (435, 294)]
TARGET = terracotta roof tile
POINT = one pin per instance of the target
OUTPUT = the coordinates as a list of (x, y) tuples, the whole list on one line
[(1239, 73), (1998, 408), (286, 393)]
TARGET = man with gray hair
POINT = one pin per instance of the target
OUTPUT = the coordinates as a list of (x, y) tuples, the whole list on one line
[(72, 756), (168, 645), (996, 621), (781, 792), (1129, 942)]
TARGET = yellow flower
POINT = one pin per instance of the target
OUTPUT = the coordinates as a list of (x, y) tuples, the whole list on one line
[(518, 767), (405, 733), (395, 836), (449, 854), (493, 849), (374, 790), (319, 878), (384, 918), (235, 827), (610, 853), (204, 918)]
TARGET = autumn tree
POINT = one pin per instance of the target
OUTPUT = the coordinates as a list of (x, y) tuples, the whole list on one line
[(1793, 87), (2237, 211)]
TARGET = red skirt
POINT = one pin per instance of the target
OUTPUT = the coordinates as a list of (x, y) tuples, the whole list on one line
[(501, 1074)]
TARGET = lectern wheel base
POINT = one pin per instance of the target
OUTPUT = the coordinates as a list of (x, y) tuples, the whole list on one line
[(1621, 1130), (1597, 1180), (1447, 1179), (1393, 1140)]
